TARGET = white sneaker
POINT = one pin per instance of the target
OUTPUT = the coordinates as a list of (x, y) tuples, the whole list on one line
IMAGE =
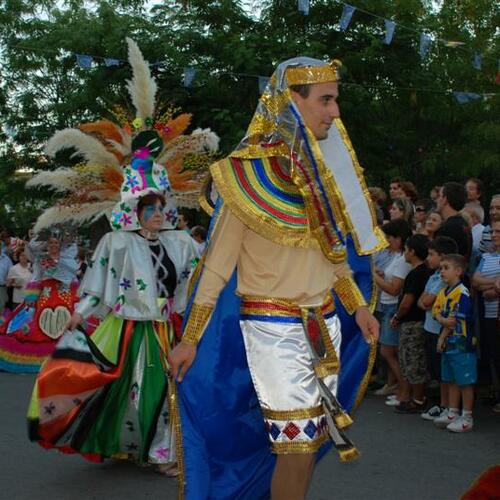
[(445, 419), (461, 424), (386, 390), (392, 402), (392, 396), (432, 413)]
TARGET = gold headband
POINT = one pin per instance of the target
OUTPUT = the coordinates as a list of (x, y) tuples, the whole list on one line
[(305, 75)]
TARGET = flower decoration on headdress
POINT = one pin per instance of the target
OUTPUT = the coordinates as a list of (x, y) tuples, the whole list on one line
[(124, 159)]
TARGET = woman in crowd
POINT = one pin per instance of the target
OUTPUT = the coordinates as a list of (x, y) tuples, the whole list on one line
[(19, 276), (401, 208), (422, 209), (390, 282), (486, 280), (432, 223), (32, 331)]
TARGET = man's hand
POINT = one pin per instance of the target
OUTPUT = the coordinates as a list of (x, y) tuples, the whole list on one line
[(74, 321), (368, 324), (180, 359)]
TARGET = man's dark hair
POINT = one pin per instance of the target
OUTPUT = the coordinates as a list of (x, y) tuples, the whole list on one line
[(418, 243), (443, 245), (456, 260), (455, 194), (477, 182), (396, 180), (200, 232), (302, 90), (187, 218), (398, 228)]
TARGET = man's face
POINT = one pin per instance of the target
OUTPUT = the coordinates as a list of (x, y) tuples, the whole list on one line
[(472, 191), (440, 201), (394, 190), (495, 208), (495, 233), (319, 108)]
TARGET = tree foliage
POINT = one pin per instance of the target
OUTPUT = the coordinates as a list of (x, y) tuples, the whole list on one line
[(399, 110)]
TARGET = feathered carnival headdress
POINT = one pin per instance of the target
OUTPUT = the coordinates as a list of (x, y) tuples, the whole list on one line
[(143, 154)]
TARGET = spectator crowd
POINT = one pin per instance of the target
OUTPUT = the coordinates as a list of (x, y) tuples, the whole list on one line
[(438, 306)]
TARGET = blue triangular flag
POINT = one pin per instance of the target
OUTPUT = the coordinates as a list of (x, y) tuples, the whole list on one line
[(425, 41), (347, 13), (465, 97), (108, 61), (390, 26), (303, 6), (189, 76), (263, 83), (476, 63), (84, 61)]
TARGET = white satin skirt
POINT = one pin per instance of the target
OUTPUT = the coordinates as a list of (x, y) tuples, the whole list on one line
[(280, 362)]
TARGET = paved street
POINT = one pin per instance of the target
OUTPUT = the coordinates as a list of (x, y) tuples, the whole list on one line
[(403, 457)]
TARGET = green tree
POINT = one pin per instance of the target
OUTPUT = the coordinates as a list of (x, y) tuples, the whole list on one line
[(399, 110)]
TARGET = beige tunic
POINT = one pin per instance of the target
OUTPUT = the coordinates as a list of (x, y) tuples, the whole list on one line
[(265, 268)]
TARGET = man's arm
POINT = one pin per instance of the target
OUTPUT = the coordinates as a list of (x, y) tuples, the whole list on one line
[(426, 301), (221, 257)]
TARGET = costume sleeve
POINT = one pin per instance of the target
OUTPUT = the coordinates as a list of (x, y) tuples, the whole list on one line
[(346, 288), (90, 305), (463, 307), (221, 257)]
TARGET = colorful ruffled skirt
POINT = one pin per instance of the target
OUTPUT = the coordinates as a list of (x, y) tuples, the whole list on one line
[(107, 395), (29, 335)]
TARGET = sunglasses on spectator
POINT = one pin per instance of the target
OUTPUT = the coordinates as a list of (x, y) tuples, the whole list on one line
[(419, 209)]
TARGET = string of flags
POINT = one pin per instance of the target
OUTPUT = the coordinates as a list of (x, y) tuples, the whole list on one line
[(190, 74), (348, 11)]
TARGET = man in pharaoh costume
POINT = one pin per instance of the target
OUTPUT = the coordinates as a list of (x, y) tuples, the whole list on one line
[(279, 339), (107, 395)]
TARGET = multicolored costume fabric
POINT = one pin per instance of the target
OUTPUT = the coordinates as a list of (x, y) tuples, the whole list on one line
[(286, 188), (108, 395), (30, 334)]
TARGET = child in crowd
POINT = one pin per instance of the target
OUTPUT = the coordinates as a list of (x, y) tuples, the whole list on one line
[(441, 246), (452, 310), (409, 318)]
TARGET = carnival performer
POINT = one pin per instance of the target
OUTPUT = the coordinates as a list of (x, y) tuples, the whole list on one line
[(106, 395), (293, 219), (30, 334)]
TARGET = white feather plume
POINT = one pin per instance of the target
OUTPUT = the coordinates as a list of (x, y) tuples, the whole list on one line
[(61, 180), (142, 87), (200, 141), (86, 212), (87, 146)]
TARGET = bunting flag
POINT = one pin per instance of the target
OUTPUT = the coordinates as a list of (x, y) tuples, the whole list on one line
[(189, 76), (476, 62), (263, 80), (303, 6), (84, 61), (425, 41), (108, 61), (390, 26), (347, 13), (465, 97), (453, 44)]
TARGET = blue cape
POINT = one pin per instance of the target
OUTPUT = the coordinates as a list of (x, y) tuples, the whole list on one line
[(226, 452)]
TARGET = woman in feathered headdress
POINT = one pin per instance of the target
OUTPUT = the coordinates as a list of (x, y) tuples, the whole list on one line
[(108, 395)]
